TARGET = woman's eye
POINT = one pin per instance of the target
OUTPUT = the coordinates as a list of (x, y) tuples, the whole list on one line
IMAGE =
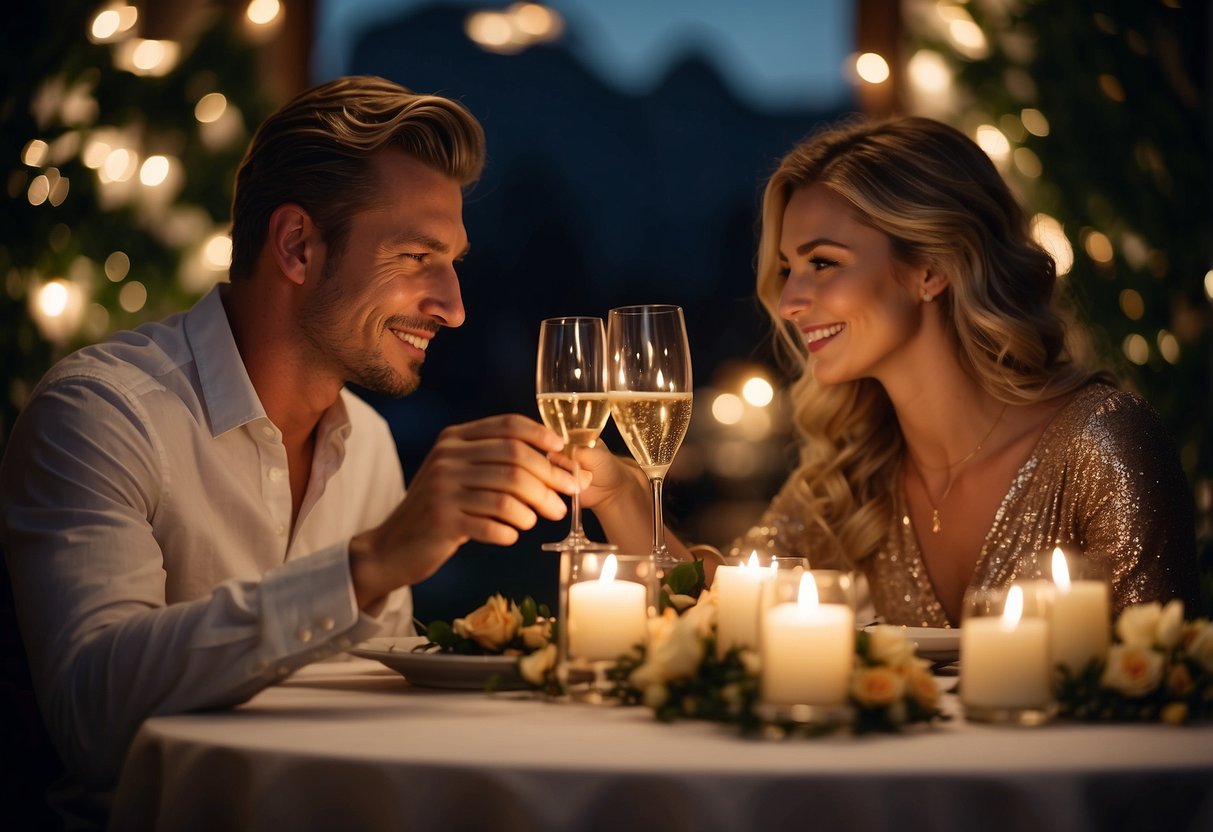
[(820, 263)]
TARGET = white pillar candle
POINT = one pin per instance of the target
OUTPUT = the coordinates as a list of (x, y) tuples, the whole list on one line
[(808, 650), (1004, 660), (738, 592), (1079, 618), (606, 616)]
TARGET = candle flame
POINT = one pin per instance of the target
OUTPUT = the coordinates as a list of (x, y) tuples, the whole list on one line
[(808, 592), (609, 568), (1013, 611), (1061, 572), (752, 563)]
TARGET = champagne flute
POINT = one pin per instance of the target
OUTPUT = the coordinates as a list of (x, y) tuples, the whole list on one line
[(570, 390), (649, 388)]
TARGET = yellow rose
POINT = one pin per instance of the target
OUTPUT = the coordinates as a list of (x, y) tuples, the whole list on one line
[(491, 626), (1179, 680), (877, 687), (534, 666), (1132, 669), (1175, 713), (889, 645), (538, 634), (922, 686)]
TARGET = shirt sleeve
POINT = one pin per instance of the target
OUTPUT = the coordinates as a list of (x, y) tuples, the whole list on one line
[(80, 482), (1135, 508)]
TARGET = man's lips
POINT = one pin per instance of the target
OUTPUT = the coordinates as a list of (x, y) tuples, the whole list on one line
[(412, 339)]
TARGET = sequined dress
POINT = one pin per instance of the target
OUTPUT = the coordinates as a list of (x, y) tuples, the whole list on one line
[(1104, 478)]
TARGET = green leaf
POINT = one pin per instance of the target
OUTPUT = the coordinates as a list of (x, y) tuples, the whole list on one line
[(440, 633), (686, 579), (529, 610)]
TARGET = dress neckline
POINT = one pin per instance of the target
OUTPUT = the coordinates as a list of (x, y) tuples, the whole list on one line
[(1019, 482)]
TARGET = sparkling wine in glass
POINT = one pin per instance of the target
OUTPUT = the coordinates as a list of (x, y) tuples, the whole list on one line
[(570, 390), (649, 388)]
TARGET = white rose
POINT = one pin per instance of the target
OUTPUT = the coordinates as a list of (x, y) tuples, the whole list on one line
[(493, 625), (1170, 624), (538, 634), (1138, 624), (888, 645), (681, 602), (1200, 648), (533, 667), (1132, 669), (675, 650)]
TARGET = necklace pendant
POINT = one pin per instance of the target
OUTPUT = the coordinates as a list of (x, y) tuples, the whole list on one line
[(936, 526)]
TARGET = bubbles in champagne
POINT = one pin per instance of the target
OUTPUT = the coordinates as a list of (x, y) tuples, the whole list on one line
[(653, 426)]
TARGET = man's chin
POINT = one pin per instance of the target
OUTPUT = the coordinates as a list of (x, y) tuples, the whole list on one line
[(391, 383)]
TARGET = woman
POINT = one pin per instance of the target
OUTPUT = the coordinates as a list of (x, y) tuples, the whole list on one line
[(949, 436)]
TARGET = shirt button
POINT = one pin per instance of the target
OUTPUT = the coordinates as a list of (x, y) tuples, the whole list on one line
[(305, 634), (267, 431), (281, 530), (275, 474), (327, 623)]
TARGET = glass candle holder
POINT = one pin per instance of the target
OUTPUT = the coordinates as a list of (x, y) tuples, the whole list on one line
[(1004, 657), (806, 645), (606, 601), (1079, 609)]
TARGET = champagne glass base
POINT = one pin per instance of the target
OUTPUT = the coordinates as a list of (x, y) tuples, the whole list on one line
[(573, 543)]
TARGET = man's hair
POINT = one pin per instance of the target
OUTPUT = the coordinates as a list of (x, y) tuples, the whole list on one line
[(316, 151)]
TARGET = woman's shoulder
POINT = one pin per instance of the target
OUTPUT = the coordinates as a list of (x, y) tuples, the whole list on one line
[(1102, 421)]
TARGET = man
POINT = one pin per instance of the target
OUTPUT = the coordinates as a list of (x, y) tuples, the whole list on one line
[(197, 508)]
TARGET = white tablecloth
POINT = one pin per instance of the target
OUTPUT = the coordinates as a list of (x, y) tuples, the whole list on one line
[(351, 746)]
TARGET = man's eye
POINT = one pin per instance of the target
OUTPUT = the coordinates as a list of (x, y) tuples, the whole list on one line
[(420, 258)]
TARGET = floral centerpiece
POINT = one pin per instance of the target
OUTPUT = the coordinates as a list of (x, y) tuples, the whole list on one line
[(679, 674), (1160, 667), (504, 627)]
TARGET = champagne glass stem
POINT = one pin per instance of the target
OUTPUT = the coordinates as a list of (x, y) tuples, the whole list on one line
[(575, 532), (658, 521)]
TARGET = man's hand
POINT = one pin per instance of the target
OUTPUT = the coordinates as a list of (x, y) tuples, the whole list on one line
[(483, 481)]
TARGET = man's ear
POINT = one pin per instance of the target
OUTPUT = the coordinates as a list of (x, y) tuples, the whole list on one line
[(292, 240)]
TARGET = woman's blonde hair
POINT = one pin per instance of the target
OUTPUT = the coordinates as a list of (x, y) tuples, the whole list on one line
[(316, 151), (942, 203)]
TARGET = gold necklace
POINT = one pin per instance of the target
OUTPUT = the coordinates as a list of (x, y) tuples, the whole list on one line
[(936, 524)]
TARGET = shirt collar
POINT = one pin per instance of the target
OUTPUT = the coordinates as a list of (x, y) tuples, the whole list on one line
[(227, 391)]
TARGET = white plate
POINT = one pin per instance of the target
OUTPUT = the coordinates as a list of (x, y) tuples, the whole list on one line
[(440, 670), (939, 644), (936, 644)]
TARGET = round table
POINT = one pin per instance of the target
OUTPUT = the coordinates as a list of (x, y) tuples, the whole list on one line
[(351, 745)]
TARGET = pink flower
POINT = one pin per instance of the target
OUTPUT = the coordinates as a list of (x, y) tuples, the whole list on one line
[(1132, 669)]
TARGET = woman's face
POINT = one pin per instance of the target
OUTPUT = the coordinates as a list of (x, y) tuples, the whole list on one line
[(856, 306)]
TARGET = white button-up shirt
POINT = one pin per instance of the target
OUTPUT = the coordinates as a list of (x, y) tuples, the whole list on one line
[(146, 524)]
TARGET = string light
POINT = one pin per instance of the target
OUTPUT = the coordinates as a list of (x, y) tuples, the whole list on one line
[(1137, 349), (154, 170), (1097, 245), (1049, 234), (35, 153), (1168, 347), (210, 107), (872, 68), (508, 32), (133, 296), (727, 409), (1034, 122), (993, 142), (263, 12), (757, 391), (1132, 304)]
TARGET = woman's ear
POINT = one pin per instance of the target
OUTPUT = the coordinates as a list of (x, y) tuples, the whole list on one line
[(932, 284), (291, 239)]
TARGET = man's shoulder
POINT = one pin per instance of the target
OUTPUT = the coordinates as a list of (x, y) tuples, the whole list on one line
[(132, 360)]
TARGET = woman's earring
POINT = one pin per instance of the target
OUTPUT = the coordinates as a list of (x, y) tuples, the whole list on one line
[(927, 297)]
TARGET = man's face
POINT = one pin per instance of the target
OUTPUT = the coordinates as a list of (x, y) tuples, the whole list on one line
[(380, 300)]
